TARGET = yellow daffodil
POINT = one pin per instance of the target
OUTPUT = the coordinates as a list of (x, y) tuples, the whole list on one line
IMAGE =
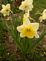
[(26, 5), (5, 9), (28, 30), (43, 17)]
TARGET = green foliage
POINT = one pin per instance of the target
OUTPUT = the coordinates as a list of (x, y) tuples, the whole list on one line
[(24, 44)]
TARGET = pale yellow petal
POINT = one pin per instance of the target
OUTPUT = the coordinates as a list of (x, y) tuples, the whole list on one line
[(22, 35), (20, 28), (3, 6), (37, 36), (30, 36), (26, 21), (35, 26), (40, 19), (4, 14), (8, 5)]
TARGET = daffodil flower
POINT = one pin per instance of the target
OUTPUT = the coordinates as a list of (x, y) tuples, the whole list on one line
[(28, 30), (26, 17), (43, 17), (5, 10), (26, 5)]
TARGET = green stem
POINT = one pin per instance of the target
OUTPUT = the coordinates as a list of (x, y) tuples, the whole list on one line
[(36, 42)]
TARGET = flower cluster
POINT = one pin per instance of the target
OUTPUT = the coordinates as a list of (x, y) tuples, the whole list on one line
[(27, 29)]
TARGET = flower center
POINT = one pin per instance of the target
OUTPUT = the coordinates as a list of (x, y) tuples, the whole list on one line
[(26, 6), (28, 31), (7, 10)]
